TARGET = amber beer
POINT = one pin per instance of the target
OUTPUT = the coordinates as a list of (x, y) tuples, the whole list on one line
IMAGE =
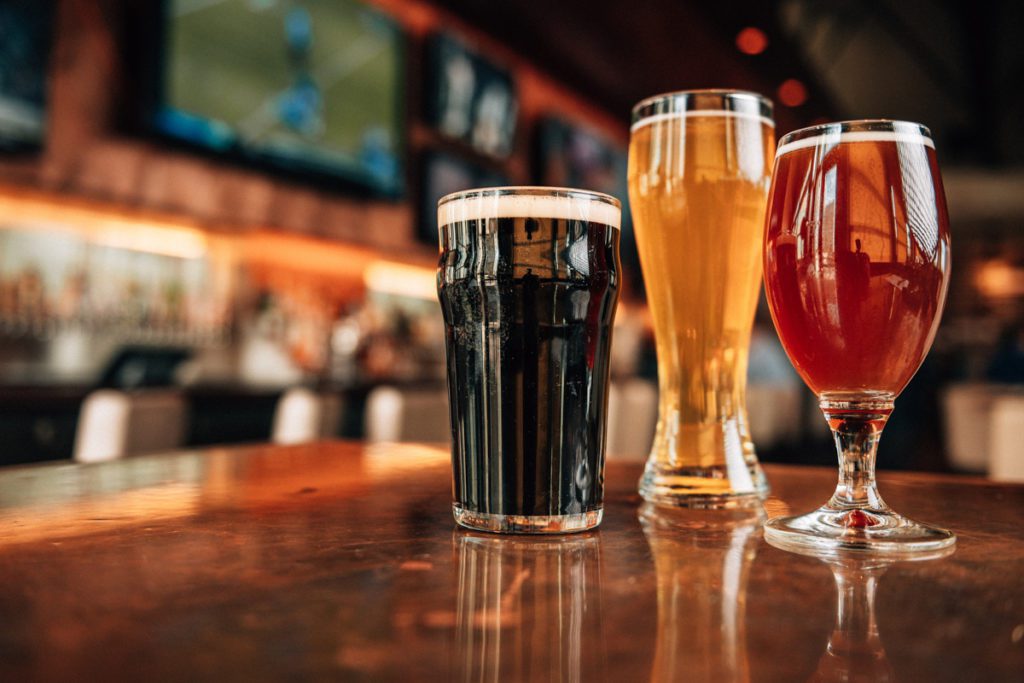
[(857, 258), (699, 171)]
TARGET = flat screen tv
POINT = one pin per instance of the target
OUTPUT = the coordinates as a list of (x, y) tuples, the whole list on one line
[(26, 31), (312, 87), (469, 98), (570, 155)]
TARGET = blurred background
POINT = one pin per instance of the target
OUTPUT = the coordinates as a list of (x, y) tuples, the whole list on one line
[(217, 217)]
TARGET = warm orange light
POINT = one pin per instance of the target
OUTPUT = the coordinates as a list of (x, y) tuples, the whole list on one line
[(751, 41), (998, 279), (386, 277), (186, 243), (110, 228), (306, 255), (103, 513), (792, 93)]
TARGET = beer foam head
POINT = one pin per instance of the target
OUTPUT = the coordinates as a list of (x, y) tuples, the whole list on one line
[(711, 103), (868, 130), (529, 202)]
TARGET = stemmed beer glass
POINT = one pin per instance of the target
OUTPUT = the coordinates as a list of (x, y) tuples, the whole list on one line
[(856, 267)]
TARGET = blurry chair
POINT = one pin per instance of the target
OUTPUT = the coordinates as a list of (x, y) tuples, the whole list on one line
[(303, 415), (774, 413), (115, 424), (394, 414), (1006, 447), (632, 419), (966, 411)]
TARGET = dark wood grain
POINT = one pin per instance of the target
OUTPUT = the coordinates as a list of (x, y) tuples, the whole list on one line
[(338, 561)]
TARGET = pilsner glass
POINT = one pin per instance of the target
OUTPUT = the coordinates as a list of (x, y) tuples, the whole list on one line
[(528, 281), (856, 268), (699, 165)]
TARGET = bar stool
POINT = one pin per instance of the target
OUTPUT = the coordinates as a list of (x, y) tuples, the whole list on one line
[(773, 411), (302, 415), (1005, 449), (632, 419), (394, 414), (967, 412), (116, 424)]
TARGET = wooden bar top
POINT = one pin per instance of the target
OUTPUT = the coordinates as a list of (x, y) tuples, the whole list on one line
[(339, 561)]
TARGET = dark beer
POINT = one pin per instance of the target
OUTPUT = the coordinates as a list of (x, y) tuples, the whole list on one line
[(528, 285)]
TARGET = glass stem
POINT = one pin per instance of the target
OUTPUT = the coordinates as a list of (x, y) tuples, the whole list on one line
[(857, 427)]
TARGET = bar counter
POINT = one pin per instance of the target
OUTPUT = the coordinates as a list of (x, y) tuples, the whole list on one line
[(341, 561)]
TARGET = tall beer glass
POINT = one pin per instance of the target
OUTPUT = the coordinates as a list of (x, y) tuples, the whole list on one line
[(699, 170), (856, 270), (528, 282)]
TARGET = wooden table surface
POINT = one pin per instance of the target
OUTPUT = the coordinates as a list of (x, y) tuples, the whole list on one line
[(340, 561)]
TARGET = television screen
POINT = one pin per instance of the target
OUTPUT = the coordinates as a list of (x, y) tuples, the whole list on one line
[(26, 28), (569, 155), (444, 174), (470, 99), (312, 86)]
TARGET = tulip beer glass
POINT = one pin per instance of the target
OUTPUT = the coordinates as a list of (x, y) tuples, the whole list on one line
[(856, 266)]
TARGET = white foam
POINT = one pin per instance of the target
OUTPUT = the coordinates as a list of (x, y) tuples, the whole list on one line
[(579, 207), (835, 138), (696, 113)]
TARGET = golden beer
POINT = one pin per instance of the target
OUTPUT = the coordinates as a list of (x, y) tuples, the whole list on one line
[(699, 172)]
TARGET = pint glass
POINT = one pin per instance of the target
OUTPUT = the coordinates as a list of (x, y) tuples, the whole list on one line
[(528, 282), (699, 171)]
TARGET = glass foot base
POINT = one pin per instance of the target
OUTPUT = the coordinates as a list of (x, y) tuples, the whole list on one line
[(703, 489), (527, 524), (829, 531)]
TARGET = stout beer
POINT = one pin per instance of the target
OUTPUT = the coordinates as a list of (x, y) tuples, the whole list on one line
[(528, 283)]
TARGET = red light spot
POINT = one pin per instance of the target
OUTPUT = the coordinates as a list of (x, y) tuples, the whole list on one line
[(792, 93), (751, 41), (856, 519)]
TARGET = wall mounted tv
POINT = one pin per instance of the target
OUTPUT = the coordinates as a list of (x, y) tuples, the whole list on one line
[(570, 155), (313, 87), (26, 31), (470, 98)]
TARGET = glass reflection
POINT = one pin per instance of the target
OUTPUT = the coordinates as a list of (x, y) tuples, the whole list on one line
[(855, 651), (529, 610), (702, 559)]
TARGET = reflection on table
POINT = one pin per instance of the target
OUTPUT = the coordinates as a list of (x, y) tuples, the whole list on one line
[(702, 560), (529, 609)]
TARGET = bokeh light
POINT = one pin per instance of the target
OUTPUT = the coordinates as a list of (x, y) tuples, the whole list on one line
[(751, 41), (792, 93)]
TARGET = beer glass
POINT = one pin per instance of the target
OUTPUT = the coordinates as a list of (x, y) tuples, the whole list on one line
[(528, 281), (698, 179), (856, 267)]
